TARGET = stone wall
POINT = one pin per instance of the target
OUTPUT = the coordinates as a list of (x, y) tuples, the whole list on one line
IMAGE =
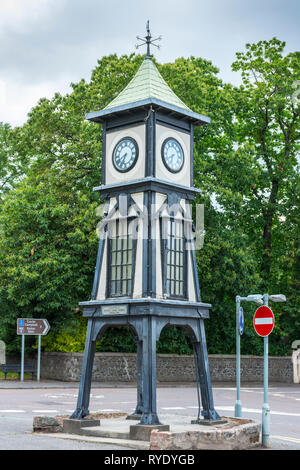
[(117, 367)]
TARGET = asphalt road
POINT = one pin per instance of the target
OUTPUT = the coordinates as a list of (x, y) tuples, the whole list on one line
[(19, 406)]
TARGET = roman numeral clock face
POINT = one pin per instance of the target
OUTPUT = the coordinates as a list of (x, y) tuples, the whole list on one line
[(125, 154), (172, 155)]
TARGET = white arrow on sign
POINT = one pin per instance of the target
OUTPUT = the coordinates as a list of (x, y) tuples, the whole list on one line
[(47, 327)]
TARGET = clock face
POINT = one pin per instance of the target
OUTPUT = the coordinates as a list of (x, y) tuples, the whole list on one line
[(172, 155), (125, 154)]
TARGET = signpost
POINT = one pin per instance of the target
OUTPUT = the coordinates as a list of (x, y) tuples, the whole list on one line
[(36, 327), (263, 324), (257, 298)]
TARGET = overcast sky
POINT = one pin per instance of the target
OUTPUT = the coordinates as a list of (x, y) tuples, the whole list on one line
[(47, 44)]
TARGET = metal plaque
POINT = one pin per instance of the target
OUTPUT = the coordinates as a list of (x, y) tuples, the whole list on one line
[(114, 309)]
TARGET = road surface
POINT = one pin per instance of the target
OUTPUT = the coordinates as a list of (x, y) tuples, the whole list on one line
[(19, 406)]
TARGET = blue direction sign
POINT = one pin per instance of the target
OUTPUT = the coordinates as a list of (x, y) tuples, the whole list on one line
[(241, 320)]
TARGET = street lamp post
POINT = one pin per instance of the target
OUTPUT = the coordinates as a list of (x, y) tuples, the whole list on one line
[(238, 403), (265, 431), (257, 298), (265, 408)]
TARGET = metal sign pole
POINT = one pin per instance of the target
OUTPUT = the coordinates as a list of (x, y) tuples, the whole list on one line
[(238, 403), (39, 359), (266, 408), (22, 358)]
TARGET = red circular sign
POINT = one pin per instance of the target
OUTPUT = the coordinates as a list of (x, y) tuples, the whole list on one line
[(263, 321)]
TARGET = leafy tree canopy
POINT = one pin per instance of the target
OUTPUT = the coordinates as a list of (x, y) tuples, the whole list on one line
[(246, 163)]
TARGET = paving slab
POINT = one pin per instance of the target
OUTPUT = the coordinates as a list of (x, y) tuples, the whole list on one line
[(121, 443)]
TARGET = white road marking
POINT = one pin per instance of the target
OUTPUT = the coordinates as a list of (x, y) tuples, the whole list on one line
[(44, 411), (225, 408), (286, 438), (172, 408), (127, 402), (254, 410), (12, 411), (242, 389), (107, 410), (50, 395), (224, 388)]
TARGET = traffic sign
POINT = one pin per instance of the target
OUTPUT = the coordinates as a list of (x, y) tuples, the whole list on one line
[(241, 320), (32, 326), (263, 321)]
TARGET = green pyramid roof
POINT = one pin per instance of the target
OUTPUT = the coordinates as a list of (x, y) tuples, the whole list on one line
[(147, 83), (147, 88)]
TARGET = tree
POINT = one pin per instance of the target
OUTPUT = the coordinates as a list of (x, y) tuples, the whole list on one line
[(13, 165), (48, 240), (268, 128), (254, 178), (245, 164), (47, 250)]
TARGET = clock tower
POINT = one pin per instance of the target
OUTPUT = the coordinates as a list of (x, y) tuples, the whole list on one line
[(146, 271)]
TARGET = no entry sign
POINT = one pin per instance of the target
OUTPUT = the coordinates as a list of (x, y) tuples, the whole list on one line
[(263, 321)]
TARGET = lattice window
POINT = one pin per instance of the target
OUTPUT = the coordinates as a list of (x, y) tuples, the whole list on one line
[(121, 259), (174, 258)]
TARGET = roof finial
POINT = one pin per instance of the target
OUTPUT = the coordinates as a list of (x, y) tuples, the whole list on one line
[(148, 40)]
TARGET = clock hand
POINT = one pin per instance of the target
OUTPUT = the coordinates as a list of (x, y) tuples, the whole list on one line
[(123, 158)]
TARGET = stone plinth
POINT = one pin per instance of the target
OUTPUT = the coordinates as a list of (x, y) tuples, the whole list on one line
[(76, 426), (46, 424), (236, 434), (142, 432)]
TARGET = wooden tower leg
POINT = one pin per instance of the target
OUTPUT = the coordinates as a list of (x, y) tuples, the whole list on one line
[(139, 407), (86, 375), (209, 412), (149, 416)]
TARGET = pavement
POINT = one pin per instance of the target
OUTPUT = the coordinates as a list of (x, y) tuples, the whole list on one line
[(33, 384)]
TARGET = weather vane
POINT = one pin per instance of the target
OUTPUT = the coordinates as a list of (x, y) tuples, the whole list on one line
[(148, 40)]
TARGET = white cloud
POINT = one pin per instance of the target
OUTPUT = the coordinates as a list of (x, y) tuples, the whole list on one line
[(46, 44), (16, 100), (16, 14), (3, 95)]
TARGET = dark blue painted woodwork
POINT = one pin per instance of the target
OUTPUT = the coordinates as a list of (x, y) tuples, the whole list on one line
[(148, 315)]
